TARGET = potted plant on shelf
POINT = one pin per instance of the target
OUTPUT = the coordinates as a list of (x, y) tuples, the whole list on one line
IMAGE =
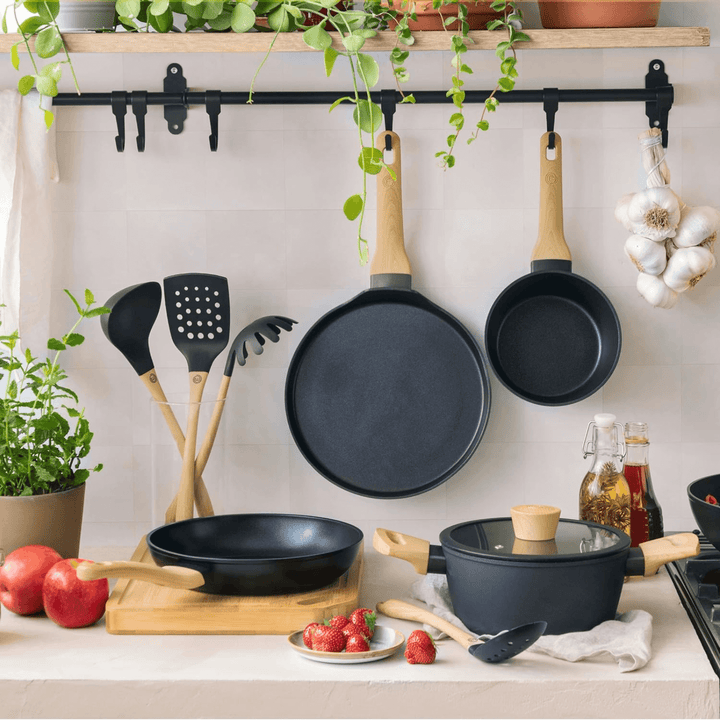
[(560, 14), (323, 23), (44, 439)]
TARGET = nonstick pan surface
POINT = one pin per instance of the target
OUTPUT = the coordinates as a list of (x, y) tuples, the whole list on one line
[(258, 554), (552, 337), (388, 395)]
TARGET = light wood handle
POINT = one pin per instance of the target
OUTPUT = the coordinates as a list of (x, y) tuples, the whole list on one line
[(211, 432), (551, 243), (187, 476), (202, 497), (390, 255), (405, 611), (666, 549), (535, 522), (405, 547), (172, 576)]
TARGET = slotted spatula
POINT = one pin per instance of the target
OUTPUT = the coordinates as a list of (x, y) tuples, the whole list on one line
[(198, 311)]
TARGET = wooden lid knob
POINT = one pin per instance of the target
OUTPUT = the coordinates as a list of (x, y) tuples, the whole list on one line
[(535, 522)]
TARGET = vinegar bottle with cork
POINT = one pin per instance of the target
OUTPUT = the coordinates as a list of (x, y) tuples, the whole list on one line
[(645, 514), (605, 493)]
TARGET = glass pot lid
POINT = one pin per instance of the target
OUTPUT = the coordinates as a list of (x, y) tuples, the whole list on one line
[(495, 537)]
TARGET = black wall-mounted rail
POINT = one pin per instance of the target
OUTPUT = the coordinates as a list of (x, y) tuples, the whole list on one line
[(658, 96)]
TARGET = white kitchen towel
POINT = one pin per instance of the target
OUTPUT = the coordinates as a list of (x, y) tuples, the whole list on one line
[(627, 639), (28, 164)]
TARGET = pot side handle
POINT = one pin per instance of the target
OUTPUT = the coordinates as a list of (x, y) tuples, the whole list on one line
[(405, 547), (657, 553), (172, 576)]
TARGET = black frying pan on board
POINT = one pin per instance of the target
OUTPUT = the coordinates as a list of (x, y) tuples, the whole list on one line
[(552, 337), (387, 396), (252, 554)]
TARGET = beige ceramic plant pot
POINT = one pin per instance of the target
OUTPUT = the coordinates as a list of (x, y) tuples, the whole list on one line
[(428, 18), (54, 520), (558, 14)]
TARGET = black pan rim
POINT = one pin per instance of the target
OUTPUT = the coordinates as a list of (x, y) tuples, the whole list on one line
[(566, 398), (254, 561), (622, 546), (395, 295)]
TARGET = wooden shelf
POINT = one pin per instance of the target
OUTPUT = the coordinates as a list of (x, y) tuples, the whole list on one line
[(292, 42)]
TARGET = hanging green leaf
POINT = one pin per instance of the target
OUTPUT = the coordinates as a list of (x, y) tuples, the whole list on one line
[(369, 68), (52, 70), (15, 57), (26, 84), (371, 160), (317, 37), (353, 43), (158, 7), (353, 207), (48, 11), (243, 18), (48, 42), (329, 58), (128, 8), (368, 116)]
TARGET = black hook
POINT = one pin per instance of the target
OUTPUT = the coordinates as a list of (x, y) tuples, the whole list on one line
[(388, 104), (213, 106), (658, 110), (118, 102), (551, 100), (138, 102)]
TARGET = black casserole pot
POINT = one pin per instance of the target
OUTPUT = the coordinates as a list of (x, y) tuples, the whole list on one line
[(497, 581), (707, 515)]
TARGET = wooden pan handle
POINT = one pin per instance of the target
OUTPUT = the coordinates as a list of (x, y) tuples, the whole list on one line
[(405, 611), (172, 576), (666, 549), (551, 243), (390, 256), (405, 547)]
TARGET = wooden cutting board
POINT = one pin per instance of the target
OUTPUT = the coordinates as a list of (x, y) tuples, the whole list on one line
[(136, 607)]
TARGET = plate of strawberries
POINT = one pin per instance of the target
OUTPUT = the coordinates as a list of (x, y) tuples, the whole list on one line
[(354, 638)]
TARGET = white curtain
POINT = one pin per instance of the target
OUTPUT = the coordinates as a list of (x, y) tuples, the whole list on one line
[(28, 164)]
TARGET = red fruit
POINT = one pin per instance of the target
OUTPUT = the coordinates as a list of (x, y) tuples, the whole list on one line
[(338, 621), (421, 638), (22, 575), (352, 629), (365, 620), (307, 634), (418, 653), (71, 602), (357, 643), (711, 499), (328, 639)]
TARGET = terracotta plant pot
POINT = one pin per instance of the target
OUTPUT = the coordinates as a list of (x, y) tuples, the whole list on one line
[(558, 14), (54, 520), (479, 14)]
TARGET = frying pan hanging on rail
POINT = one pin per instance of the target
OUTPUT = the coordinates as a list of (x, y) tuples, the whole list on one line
[(552, 337), (388, 396)]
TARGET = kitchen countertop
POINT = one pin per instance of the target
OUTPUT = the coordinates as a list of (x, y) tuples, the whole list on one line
[(48, 671)]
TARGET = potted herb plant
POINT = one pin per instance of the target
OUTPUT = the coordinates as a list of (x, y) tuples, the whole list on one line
[(44, 439), (560, 14), (323, 23)]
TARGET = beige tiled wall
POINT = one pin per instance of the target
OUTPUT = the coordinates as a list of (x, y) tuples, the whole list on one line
[(265, 211)]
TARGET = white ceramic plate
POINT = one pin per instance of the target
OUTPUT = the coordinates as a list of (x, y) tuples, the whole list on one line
[(385, 642)]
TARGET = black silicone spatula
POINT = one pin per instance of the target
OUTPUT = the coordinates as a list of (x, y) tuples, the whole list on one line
[(198, 311), (133, 313), (488, 648)]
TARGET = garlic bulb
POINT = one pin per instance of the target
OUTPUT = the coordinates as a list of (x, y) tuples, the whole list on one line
[(654, 213), (655, 291), (687, 267), (697, 224), (647, 256), (621, 211)]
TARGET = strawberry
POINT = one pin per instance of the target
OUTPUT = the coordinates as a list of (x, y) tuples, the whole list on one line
[(421, 638), (307, 634), (711, 499), (337, 621), (365, 620), (357, 643), (328, 639), (420, 651), (352, 629)]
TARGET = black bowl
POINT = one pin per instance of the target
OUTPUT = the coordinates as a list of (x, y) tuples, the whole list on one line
[(707, 516)]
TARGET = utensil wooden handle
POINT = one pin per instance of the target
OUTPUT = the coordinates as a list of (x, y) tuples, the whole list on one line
[(187, 476), (172, 576), (211, 433), (663, 550), (390, 256), (551, 243), (202, 497), (405, 547), (405, 611)]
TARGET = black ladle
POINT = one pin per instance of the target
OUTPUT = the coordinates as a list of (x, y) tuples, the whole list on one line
[(488, 648), (133, 313)]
